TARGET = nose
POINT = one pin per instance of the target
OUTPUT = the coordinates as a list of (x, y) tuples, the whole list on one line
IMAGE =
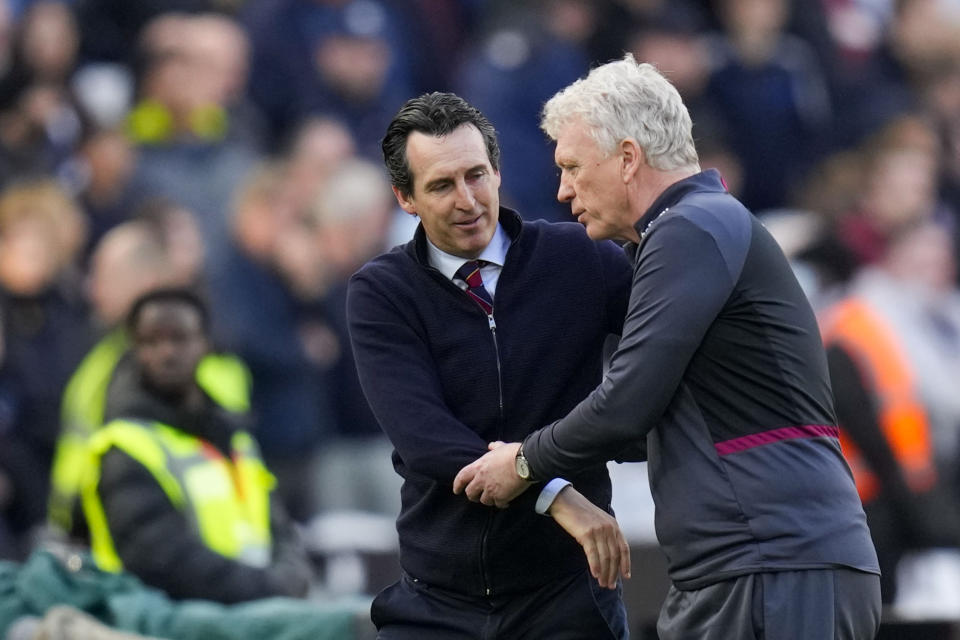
[(465, 200), (166, 350), (565, 191)]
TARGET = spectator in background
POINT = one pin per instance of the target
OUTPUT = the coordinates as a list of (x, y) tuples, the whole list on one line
[(159, 248), (176, 491), (769, 91), (940, 94), (100, 175), (19, 483), (128, 261), (893, 345), (220, 50), (351, 218), (520, 60), (179, 232), (672, 40), (109, 26), (40, 121), (190, 148), (353, 212), (619, 21), (6, 37), (47, 45), (257, 314), (45, 320), (345, 58), (898, 189), (869, 83), (318, 145)]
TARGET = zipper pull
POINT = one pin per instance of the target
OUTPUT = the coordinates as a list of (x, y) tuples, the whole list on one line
[(492, 322)]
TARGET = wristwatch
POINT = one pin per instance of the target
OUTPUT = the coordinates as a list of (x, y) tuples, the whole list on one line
[(522, 466)]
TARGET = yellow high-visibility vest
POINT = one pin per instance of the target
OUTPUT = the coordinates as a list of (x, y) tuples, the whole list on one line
[(225, 378), (225, 500)]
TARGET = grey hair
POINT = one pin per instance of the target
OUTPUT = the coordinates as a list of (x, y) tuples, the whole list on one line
[(625, 99)]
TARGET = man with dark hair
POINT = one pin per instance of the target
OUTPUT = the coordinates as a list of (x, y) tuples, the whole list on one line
[(461, 337), (176, 492)]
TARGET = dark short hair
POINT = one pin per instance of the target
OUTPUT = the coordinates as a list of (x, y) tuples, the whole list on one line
[(168, 294), (436, 114)]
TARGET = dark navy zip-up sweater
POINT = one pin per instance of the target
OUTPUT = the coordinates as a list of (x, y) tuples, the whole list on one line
[(721, 368), (444, 379)]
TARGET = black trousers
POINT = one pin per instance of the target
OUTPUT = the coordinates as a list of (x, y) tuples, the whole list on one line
[(575, 608), (813, 604)]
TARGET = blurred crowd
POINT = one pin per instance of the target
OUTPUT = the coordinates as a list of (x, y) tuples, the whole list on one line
[(233, 146)]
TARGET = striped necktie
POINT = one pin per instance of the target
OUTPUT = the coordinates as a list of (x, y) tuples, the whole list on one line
[(470, 273)]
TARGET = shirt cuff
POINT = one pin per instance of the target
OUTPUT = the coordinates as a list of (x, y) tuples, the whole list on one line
[(549, 494)]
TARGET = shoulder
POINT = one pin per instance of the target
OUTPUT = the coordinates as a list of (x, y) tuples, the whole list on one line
[(397, 260), (717, 214), (385, 272), (391, 280)]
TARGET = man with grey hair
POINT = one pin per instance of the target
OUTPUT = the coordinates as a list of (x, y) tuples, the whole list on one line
[(720, 372)]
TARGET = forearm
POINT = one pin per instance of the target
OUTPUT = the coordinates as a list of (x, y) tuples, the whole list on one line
[(604, 544), (673, 304), (401, 383)]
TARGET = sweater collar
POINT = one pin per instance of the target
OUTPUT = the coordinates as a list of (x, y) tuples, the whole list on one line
[(708, 180)]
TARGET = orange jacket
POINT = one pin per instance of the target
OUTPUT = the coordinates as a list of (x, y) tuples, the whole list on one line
[(856, 328)]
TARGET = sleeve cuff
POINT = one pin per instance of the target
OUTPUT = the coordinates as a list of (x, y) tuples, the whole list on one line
[(549, 494)]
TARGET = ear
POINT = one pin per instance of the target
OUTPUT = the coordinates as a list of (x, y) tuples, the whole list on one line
[(405, 203), (631, 159)]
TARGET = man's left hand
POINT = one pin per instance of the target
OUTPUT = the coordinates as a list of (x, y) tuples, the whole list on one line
[(492, 479)]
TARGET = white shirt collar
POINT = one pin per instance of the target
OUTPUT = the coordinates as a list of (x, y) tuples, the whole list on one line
[(494, 253)]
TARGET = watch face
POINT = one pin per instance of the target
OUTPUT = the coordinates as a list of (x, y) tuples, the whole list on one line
[(523, 469)]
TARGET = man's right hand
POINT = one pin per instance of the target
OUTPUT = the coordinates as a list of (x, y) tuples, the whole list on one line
[(597, 532)]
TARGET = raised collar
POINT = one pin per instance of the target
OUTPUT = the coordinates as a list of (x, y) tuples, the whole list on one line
[(708, 180)]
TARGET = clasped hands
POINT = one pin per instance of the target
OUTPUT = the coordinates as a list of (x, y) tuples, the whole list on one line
[(492, 480)]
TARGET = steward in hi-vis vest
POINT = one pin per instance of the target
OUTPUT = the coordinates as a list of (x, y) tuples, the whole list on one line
[(885, 428), (853, 326), (225, 500), (173, 487), (224, 377)]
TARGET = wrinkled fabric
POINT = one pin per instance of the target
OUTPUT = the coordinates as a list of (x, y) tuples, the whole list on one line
[(124, 603)]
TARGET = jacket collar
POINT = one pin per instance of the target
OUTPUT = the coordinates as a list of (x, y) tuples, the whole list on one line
[(708, 180)]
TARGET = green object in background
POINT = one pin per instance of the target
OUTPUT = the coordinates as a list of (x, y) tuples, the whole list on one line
[(122, 602)]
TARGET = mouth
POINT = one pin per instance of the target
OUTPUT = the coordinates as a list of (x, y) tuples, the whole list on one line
[(468, 224)]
